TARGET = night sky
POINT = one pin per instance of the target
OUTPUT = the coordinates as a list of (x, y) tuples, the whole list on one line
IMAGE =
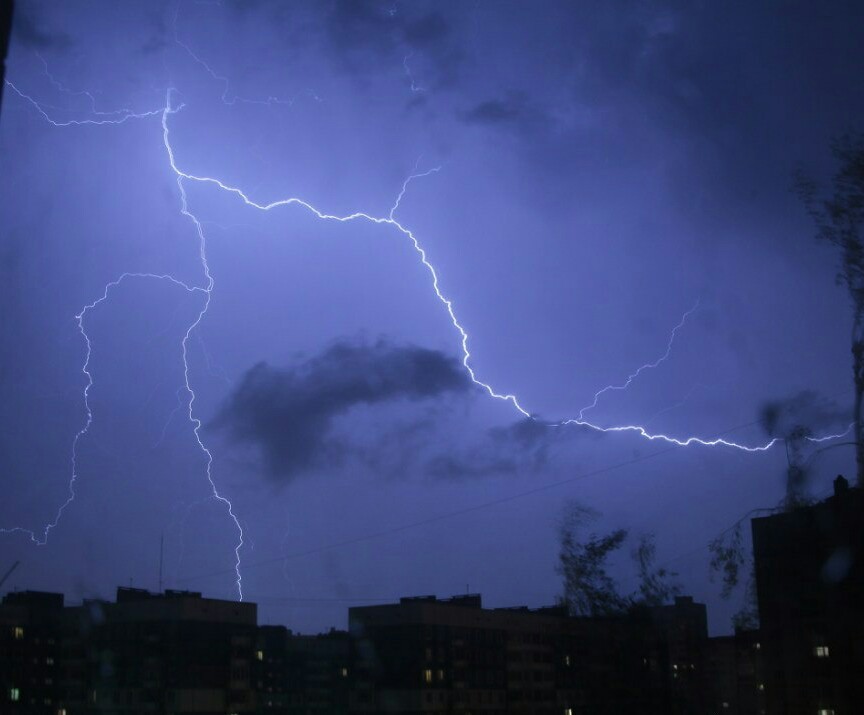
[(591, 181)]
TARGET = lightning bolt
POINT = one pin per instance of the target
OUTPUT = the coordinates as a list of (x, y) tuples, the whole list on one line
[(208, 291), (182, 176), (116, 118), (390, 220)]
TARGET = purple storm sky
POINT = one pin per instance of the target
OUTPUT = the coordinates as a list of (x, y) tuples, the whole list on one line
[(586, 174)]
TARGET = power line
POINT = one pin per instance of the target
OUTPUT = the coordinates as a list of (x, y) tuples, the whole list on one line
[(449, 515)]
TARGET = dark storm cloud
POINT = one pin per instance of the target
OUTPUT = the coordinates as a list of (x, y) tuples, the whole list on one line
[(33, 32), (727, 97), (287, 412), (805, 410)]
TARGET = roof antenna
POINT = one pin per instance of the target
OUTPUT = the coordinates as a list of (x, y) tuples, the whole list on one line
[(161, 554)]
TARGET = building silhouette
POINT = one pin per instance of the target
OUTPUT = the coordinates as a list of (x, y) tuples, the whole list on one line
[(425, 655), (175, 652), (179, 653), (810, 586)]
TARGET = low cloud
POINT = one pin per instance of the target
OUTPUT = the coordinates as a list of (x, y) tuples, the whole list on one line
[(805, 412), (287, 413)]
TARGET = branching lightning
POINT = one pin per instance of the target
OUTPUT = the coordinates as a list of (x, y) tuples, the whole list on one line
[(182, 176), (829, 437), (647, 366), (79, 93), (390, 220), (85, 368), (120, 116)]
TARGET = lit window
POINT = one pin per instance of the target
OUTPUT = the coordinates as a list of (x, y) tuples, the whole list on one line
[(259, 655), (440, 674), (821, 651), (758, 646), (19, 633), (427, 675), (344, 672), (761, 686), (825, 711), (14, 695), (568, 711), (567, 663), (49, 661), (61, 711)]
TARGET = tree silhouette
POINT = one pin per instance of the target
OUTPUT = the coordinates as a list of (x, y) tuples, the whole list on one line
[(839, 220), (727, 558), (655, 584), (589, 590)]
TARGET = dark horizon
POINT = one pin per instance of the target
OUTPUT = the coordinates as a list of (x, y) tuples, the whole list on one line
[(344, 301)]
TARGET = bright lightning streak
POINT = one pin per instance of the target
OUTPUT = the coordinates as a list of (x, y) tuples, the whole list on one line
[(647, 366), (208, 290)]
